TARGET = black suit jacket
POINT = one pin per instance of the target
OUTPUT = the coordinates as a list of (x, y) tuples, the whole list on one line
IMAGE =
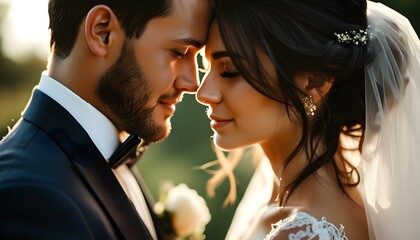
[(55, 184)]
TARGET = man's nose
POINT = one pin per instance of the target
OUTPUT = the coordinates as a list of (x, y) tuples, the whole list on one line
[(187, 79)]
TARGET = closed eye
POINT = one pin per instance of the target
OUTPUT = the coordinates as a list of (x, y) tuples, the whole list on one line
[(179, 55), (229, 74)]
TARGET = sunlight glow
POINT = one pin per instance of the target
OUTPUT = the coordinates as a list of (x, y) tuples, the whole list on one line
[(25, 29)]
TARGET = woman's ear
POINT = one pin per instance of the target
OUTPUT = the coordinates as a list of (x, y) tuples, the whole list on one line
[(315, 85), (101, 27)]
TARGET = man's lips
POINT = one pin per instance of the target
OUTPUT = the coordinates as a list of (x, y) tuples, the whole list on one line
[(169, 104)]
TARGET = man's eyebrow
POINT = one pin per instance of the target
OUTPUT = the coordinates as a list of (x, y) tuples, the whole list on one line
[(190, 42)]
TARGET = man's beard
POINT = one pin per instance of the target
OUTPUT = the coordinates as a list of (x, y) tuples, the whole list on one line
[(118, 88)]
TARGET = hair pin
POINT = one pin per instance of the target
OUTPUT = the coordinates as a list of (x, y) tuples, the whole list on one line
[(357, 37)]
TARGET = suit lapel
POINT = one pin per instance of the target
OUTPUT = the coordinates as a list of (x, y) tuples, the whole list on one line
[(75, 142), (108, 189)]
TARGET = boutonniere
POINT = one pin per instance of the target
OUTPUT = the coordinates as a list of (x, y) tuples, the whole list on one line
[(183, 213)]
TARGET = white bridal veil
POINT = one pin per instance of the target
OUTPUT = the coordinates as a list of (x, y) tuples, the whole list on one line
[(391, 150)]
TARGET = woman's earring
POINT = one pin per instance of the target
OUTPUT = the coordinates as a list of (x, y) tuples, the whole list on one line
[(309, 105)]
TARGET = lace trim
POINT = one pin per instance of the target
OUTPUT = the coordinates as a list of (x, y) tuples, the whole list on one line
[(311, 228)]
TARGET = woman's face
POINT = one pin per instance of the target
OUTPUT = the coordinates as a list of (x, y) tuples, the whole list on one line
[(240, 115)]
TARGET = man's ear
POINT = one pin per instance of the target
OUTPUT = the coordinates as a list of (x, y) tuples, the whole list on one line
[(315, 85), (101, 27)]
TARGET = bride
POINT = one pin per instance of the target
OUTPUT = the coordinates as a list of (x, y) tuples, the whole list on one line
[(328, 91)]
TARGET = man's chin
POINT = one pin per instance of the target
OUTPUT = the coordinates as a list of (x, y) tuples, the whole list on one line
[(161, 134)]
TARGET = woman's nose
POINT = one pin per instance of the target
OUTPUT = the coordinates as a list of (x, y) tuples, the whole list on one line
[(208, 92)]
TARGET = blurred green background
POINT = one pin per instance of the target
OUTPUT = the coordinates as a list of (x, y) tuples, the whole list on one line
[(177, 158)]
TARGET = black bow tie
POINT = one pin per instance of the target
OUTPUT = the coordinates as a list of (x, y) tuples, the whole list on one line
[(129, 152)]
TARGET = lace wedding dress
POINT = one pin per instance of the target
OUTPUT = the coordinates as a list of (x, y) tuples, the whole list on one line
[(304, 226), (300, 225)]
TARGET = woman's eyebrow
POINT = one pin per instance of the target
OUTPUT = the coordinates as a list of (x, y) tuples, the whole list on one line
[(220, 54)]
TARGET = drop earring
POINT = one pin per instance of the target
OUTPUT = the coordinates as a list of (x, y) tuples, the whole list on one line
[(309, 106)]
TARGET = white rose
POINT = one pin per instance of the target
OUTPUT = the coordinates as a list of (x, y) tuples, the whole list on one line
[(190, 212)]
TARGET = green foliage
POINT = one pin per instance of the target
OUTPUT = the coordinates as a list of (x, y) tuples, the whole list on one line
[(409, 8)]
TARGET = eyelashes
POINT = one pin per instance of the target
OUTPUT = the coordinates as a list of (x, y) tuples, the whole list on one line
[(227, 70), (228, 73), (177, 54)]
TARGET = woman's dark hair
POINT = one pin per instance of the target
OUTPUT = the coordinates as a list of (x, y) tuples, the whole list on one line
[(299, 36), (66, 17)]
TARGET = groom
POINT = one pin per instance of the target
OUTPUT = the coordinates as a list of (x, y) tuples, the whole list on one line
[(115, 66)]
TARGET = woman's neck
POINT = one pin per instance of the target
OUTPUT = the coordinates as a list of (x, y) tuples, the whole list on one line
[(278, 153)]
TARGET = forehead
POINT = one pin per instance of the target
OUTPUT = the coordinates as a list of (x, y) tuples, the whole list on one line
[(188, 19), (214, 42), (216, 49)]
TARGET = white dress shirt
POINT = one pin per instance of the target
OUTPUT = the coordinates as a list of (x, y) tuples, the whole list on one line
[(103, 134)]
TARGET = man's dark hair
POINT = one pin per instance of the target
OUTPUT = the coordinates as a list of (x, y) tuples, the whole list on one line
[(66, 17)]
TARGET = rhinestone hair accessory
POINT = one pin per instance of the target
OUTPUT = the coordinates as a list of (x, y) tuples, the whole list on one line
[(358, 37)]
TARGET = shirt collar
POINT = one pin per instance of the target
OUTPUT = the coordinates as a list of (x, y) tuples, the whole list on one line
[(99, 128)]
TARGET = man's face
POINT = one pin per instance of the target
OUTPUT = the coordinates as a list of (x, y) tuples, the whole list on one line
[(152, 72)]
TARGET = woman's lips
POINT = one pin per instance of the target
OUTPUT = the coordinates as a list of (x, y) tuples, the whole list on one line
[(218, 122)]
